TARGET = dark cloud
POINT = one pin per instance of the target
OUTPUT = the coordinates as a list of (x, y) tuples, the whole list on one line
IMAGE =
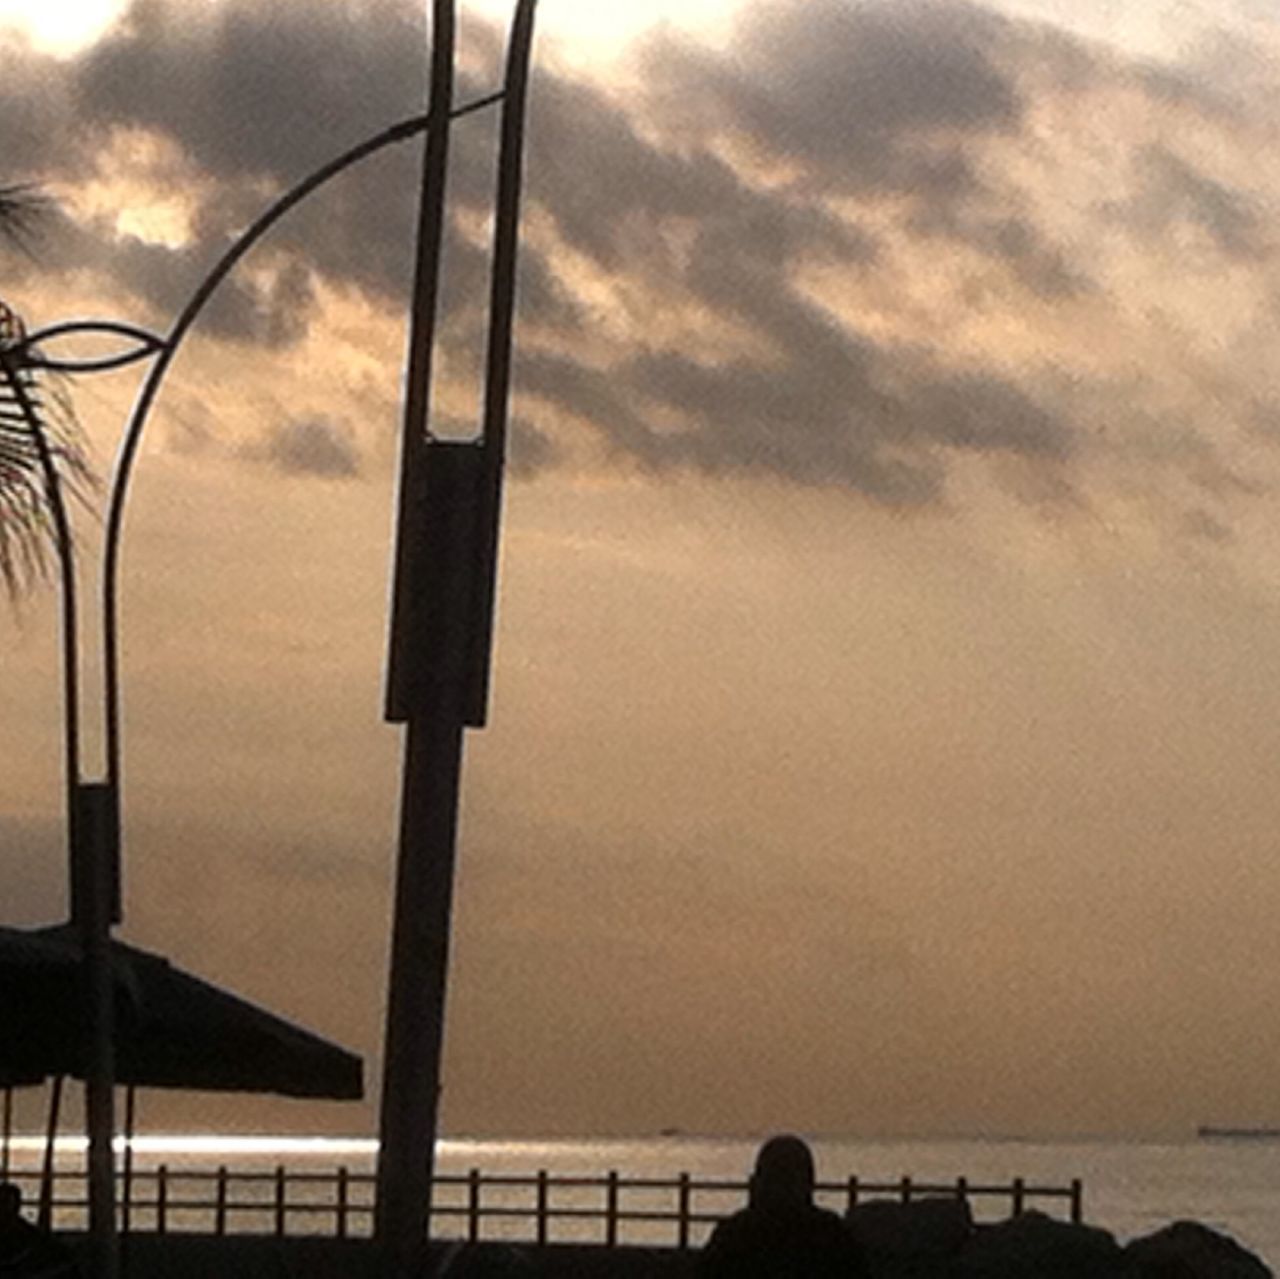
[(529, 450), (311, 446), (831, 410), (869, 96), (36, 134), (1039, 265), (1172, 193), (263, 90)]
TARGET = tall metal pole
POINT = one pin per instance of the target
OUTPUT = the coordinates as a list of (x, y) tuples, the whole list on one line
[(442, 610), (432, 762)]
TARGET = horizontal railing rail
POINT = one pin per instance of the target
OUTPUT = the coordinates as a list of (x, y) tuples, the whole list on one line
[(677, 1211)]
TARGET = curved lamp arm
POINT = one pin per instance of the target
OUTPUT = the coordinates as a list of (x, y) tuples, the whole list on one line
[(167, 348)]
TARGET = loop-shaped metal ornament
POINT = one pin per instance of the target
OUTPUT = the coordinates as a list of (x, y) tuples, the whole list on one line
[(32, 352)]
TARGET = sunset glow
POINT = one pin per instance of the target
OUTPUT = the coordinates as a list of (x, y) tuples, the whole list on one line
[(887, 683), (61, 27)]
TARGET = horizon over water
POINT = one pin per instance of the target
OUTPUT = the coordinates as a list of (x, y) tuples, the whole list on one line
[(1132, 1186)]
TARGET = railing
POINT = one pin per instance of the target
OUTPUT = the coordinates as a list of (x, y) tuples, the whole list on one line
[(608, 1210)]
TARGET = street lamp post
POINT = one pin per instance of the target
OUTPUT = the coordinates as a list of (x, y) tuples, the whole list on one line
[(439, 653)]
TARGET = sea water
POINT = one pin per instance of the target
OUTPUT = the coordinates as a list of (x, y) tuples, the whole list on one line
[(1130, 1188)]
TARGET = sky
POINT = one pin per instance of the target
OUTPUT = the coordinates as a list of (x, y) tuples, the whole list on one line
[(886, 694)]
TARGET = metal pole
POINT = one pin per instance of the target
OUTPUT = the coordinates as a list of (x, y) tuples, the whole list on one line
[(432, 761), (439, 696), (416, 1001), (45, 1214), (99, 1086)]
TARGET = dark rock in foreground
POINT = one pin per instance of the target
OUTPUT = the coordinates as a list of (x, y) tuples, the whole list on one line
[(925, 1239), (915, 1240), (1036, 1246), (1188, 1250)]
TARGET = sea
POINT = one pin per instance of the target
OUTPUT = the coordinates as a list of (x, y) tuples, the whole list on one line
[(1129, 1187)]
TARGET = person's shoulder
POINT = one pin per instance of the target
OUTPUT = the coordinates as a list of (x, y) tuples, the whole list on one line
[(727, 1244), (728, 1228)]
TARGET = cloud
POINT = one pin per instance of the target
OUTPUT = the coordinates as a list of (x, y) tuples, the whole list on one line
[(777, 257), (310, 446), (529, 450), (1172, 193), (858, 94), (251, 91)]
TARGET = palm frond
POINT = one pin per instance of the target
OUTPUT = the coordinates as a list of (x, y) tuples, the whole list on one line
[(32, 410), (22, 207)]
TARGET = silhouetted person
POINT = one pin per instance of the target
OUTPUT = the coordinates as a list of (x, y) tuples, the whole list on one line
[(782, 1234), (26, 1250)]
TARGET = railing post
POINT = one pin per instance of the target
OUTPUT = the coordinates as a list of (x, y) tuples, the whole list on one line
[(1077, 1201), (473, 1205), (1019, 1195), (542, 1206), (162, 1199), (853, 1194), (280, 1200), (220, 1203), (683, 1210), (343, 1197), (611, 1210), (905, 1190)]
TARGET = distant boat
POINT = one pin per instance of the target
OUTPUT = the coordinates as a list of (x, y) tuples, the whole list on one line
[(1238, 1134)]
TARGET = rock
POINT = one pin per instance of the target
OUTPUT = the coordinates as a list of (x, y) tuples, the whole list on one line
[(1035, 1246), (911, 1240), (1188, 1250)]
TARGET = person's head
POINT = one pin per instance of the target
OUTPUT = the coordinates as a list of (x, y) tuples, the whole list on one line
[(784, 1174)]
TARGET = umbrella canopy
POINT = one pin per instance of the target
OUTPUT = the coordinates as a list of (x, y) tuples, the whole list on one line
[(173, 1030)]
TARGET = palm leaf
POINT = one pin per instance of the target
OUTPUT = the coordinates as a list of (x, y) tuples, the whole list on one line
[(35, 414), (21, 208), (31, 405)]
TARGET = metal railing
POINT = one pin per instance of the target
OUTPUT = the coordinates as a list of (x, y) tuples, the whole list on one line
[(541, 1208)]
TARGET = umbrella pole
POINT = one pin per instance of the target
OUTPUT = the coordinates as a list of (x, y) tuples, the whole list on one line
[(130, 1105), (99, 1078), (130, 1111), (45, 1214), (8, 1134)]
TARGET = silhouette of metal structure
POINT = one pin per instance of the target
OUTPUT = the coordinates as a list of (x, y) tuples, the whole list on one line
[(439, 646)]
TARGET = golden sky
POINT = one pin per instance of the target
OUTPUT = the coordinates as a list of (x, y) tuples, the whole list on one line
[(886, 690)]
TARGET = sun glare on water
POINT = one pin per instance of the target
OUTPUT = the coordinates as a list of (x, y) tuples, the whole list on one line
[(214, 1144)]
